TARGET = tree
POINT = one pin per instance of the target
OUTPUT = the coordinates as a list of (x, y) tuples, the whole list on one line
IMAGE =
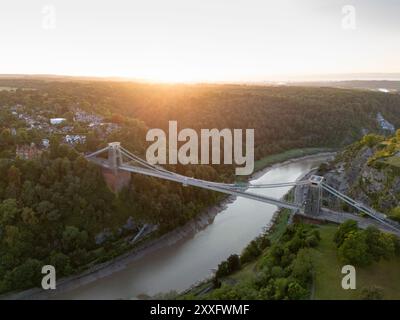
[(387, 245), (43, 208), (371, 140), (372, 293), (8, 211), (380, 244), (14, 176), (302, 267), (29, 216), (28, 195), (343, 230), (22, 136), (223, 269), (354, 249), (216, 282), (312, 241), (264, 242), (396, 243), (373, 240), (280, 288), (395, 213), (25, 276), (251, 252), (5, 138), (73, 239), (61, 262), (117, 118), (296, 291), (69, 116), (233, 263), (398, 135)]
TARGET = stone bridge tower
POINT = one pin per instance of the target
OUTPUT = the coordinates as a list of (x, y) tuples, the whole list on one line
[(314, 197), (116, 179)]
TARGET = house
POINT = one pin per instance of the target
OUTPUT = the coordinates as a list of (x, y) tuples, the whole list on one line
[(68, 129), (75, 139), (27, 152), (83, 116), (46, 143), (54, 121)]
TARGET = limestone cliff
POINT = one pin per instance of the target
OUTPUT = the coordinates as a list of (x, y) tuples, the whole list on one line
[(369, 171)]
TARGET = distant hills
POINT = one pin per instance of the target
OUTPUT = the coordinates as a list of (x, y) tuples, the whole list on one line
[(368, 81), (376, 85)]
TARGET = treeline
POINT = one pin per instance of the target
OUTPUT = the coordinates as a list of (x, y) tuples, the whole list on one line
[(363, 247), (283, 117)]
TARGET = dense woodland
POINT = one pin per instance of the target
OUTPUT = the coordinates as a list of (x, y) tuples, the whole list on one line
[(283, 117), (53, 207)]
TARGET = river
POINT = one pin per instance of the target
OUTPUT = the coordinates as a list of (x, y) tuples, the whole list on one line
[(178, 266)]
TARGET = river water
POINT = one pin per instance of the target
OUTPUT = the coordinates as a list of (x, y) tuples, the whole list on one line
[(178, 266)]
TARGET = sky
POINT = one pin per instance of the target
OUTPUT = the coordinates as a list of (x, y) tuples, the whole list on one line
[(201, 40)]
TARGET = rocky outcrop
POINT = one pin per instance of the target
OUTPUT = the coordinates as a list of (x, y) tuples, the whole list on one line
[(353, 173)]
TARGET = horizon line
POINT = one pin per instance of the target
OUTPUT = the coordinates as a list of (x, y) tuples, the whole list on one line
[(282, 79)]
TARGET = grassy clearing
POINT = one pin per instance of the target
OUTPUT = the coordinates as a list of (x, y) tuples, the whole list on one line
[(287, 155), (393, 161), (328, 277), (243, 274)]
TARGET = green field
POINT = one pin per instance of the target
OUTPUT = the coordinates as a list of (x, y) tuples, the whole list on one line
[(287, 155), (327, 282)]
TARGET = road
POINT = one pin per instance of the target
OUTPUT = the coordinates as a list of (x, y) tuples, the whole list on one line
[(329, 215)]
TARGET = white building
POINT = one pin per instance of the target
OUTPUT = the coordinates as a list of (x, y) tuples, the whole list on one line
[(74, 139), (45, 143), (57, 120)]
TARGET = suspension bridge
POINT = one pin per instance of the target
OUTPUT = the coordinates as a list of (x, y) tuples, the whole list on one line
[(118, 159)]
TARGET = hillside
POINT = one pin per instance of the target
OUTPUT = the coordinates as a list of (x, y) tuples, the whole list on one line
[(283, 117), (369, 170)]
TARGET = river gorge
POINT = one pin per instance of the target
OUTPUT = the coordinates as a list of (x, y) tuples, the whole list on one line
[(179, 265)]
